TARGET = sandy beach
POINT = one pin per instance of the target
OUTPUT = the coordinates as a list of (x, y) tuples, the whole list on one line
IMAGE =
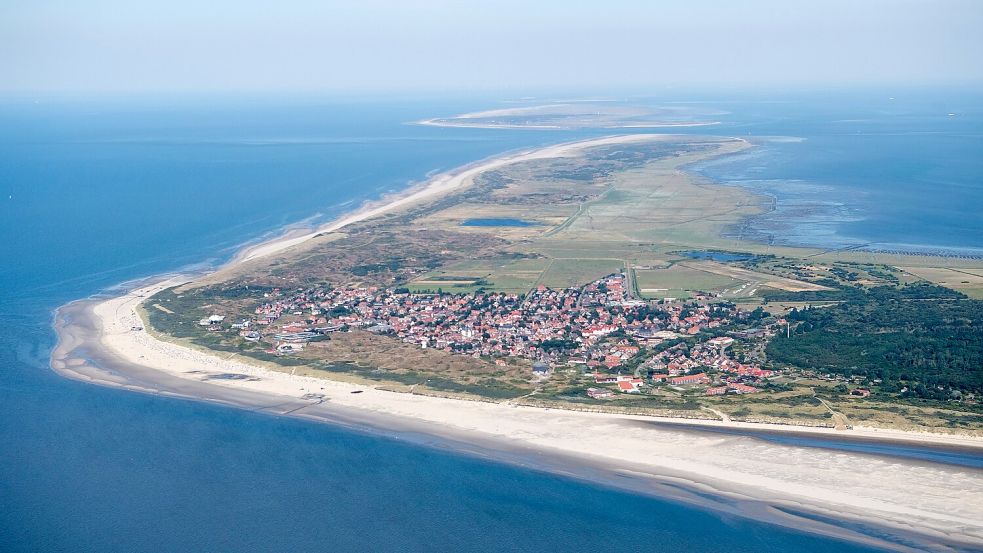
[(930, 506), (436, 186)]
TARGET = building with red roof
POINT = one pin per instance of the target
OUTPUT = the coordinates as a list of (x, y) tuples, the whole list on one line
[(698, 378)]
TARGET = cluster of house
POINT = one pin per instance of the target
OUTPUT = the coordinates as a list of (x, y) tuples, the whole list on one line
[(599, 326), (675, 365), (545, 324)]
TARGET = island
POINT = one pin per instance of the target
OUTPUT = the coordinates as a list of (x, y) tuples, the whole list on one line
[(570, 307), (581, 114)]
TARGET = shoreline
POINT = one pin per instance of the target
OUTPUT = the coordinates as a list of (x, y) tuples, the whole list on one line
[(440, 183), (100, 332), (836, 242)]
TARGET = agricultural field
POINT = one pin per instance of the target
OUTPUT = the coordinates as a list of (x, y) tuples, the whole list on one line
[(501, 275), (567, 272), (967, 281), (756, 278), (679, 280)]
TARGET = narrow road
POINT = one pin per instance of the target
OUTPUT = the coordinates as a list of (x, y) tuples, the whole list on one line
[(723, 416), (581, 209), (541, 276), (632, 286), (513, 400), (840, 421)]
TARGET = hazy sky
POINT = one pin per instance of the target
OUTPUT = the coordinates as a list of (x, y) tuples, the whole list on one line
[(298, 45)]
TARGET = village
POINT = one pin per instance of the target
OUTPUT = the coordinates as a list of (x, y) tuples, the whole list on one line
[(619, 343)]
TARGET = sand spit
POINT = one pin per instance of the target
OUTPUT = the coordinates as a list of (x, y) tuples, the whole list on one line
[(465, 124)]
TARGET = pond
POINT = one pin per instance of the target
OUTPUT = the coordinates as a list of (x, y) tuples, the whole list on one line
[(498, 222), (716, 255)]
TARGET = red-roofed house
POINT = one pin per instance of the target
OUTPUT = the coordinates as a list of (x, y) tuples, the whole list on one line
[(742, 388), (699, 378), (612, 361)]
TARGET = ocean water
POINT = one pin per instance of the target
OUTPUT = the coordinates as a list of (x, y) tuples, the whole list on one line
[(880, 170), (94, 193)]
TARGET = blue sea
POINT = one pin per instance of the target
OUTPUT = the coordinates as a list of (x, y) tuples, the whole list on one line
[(879, 170), (97, 192)]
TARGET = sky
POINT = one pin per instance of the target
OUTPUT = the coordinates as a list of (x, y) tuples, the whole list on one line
[(435, 45)]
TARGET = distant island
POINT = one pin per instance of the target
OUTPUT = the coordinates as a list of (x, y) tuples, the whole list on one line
[(569, 296), (577, 115)]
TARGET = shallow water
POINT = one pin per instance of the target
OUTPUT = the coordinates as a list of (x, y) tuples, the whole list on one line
[(957, 456), (887, 170)]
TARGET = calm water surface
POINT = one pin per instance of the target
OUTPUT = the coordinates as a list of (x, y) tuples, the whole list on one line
[(498, 223)]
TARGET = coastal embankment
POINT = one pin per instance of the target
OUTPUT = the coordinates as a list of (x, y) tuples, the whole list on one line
[(882, 501)]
